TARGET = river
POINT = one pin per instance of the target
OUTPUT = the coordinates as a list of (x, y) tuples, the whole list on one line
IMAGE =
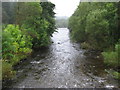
[(62, 65)]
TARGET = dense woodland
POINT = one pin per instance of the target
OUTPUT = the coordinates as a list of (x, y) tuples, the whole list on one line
[(29, 25), (26, 25), (96, 26)]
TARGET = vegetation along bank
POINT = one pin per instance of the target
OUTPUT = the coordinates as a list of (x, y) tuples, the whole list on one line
[(26, 25), (96, 26)]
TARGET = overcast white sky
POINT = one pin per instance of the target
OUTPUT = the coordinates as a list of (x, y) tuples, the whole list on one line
[(65, 7)]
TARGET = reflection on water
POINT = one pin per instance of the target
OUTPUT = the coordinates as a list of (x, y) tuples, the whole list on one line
[(62, 65)]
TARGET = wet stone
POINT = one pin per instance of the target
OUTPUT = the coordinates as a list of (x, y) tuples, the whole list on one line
[(58, 42)]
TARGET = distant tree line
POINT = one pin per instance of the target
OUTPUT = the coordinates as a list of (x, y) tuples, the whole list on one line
[(61, 22)]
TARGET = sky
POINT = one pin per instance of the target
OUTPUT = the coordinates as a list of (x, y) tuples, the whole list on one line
[(65, 7)]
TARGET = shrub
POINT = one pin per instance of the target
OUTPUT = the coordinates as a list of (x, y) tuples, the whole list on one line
[(7, 47), (7, 71), (116, 75), (110, 58), (15, 43)]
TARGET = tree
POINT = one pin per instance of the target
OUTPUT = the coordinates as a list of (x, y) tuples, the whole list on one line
[(48, 15), (94, 23), (8, 12), (38, 20)]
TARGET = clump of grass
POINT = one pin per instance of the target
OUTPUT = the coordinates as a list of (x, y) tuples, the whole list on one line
[(7, 71), (116, 75), (111, 58)]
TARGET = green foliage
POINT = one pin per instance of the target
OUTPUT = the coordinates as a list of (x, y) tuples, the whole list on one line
[(7, 48), (116, 75), (117, 49), (15, 42), (38, 21), (97, 29), (27, 12), (48, 14), (35, 19), (34, 24), (8, 12), (15, 46), (96, 24), (112, 58)]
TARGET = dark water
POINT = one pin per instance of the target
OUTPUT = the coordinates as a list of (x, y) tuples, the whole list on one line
[(63, 65)]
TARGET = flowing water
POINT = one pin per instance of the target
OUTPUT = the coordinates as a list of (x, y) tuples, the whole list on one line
[(63, 65)]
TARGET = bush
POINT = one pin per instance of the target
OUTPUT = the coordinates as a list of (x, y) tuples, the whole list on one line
[(7, 47), (111, 58), (116, 75), (15, 43), (16, 46), (7, 71)]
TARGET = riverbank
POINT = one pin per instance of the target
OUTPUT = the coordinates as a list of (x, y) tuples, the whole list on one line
[(62, 65)]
